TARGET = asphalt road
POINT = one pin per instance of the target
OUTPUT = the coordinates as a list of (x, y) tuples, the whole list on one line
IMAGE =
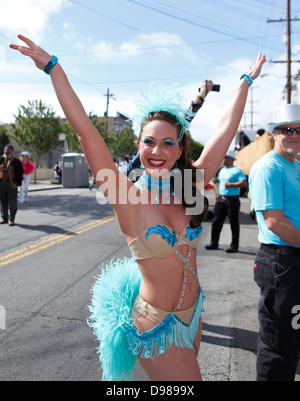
[(48, 262)]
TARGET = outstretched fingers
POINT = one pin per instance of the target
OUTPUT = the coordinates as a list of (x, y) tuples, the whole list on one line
[(28, 42), (261, 59), (256, 69), (38, 55), (23, 49)]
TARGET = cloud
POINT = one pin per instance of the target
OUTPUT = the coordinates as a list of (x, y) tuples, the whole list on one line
[(164, 44), (29, 17)]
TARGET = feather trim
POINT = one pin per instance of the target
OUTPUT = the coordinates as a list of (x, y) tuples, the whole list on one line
[(113, 294), (162, 98), (171, 331)]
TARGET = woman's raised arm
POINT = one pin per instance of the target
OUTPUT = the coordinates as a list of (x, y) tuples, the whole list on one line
[(94, 147), (214, 152)]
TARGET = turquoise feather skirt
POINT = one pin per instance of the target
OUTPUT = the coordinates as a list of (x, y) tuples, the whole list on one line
[(113, 295)]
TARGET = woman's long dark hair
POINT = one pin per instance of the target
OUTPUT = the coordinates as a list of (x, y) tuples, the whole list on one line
[(183, 163)]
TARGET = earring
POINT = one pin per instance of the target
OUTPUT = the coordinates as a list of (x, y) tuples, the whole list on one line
[(175, 168), (142, 167)]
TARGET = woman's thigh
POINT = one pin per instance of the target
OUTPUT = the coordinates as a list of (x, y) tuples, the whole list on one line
[(175, 364)]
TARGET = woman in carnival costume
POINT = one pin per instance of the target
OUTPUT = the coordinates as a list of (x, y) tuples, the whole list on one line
[(149, 306)]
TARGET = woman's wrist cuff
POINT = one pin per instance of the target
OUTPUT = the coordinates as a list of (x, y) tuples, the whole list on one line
[(247, 78), (51, 64), (201, 98)]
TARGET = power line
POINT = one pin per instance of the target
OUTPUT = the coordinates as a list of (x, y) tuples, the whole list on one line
[(198, 24)]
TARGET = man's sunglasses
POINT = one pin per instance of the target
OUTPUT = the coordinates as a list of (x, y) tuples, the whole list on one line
[(289, 130)]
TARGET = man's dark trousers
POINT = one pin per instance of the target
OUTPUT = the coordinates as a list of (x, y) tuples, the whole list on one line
[(9, 200), (226, 206), (278, 276)]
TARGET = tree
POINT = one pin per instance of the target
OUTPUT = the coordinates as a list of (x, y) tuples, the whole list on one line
[(101, 126), (71, 136), (195, 148), (36, 128), (123, 143), (4, 138)]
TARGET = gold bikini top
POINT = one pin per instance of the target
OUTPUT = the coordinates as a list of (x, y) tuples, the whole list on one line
[(161, 241)]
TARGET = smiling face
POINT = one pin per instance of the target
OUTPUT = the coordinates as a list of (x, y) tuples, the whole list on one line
[(158, 147), (288, 146)]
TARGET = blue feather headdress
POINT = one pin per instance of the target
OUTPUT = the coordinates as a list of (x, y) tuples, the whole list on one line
[(162, 98)]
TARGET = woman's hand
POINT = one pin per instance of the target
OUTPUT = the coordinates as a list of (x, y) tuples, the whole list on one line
[(206, 87), (218, 145), (254, 71), (38, 55)]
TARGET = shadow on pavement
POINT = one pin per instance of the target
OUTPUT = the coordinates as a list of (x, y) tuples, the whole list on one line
[(230, 337), (46, 228)]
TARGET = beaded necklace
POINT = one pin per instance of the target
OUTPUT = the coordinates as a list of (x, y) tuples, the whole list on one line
[(159, 186)]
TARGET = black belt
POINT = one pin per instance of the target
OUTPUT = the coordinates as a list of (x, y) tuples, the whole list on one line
[(284, 250)]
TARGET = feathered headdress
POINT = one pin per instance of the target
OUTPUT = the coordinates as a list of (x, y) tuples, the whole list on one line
[(162, 98)]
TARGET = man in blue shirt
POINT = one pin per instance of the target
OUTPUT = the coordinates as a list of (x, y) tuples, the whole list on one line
[(275, 193), (228, 204)]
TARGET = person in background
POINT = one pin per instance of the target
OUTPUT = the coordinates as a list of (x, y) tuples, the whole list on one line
[(11, 175), (57, 173), (232, 179), (242, 141), (274, 182), (28, 169), (259, 133)]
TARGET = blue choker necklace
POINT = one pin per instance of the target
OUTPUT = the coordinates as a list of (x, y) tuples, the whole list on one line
[(159, 186)]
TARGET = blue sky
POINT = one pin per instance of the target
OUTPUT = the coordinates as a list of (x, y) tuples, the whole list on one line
[(124, 45)]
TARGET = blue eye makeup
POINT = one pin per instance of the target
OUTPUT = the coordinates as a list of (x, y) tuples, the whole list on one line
[(147, 141), (150, 141), (169, 142)]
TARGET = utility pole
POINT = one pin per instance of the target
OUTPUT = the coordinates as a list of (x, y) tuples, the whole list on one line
[(108, 96), (288, 46)]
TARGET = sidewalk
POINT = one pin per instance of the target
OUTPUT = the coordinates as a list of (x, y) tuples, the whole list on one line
[(42, 185)]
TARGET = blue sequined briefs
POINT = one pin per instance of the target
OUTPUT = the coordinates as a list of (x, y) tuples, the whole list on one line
[(173, 328)]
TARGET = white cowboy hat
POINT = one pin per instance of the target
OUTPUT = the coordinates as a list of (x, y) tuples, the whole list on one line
[(285, 114), (25, 153), (231, 154)]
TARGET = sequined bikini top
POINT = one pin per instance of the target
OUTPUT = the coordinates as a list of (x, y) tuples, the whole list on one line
[(161, 241)]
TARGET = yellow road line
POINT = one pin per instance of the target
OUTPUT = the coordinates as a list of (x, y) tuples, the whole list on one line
[(11, 257)]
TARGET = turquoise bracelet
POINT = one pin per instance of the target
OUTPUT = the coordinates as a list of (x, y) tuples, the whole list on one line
[(247, 78), (51, 64)]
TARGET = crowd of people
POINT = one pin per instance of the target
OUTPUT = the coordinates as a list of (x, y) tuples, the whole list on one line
[(15, 176), (150, 306)]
